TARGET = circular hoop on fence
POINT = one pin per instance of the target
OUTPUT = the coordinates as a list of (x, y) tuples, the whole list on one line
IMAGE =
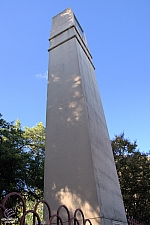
[(34, 214), (46, 203), (79, 210), (58, 219), (67, 210), (13, 194)]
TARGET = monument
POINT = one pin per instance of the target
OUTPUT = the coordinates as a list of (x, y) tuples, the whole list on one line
[(79, 166)]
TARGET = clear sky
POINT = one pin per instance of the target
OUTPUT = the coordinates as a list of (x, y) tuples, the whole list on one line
[(118, 35)]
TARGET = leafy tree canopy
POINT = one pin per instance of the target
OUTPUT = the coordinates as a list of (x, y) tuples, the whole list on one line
[(21, 159), (133, 168)]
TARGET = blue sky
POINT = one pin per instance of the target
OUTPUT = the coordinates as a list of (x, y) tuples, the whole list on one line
[(118, 35)]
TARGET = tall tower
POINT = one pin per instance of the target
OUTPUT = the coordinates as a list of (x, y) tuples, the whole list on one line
[(79, 166)]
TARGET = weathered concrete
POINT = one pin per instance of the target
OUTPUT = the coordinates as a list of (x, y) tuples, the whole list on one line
[(79, 165)]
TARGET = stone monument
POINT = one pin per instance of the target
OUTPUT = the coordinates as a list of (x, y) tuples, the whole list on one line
[(79, 166)]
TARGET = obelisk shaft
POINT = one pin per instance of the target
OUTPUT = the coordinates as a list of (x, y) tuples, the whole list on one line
[(79, 166)]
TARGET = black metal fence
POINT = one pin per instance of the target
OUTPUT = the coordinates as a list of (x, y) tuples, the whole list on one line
[(8, 215)]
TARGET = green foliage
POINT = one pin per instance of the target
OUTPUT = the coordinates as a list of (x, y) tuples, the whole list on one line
[(133, 168), (22, 167), (21, 159), (35, 146)]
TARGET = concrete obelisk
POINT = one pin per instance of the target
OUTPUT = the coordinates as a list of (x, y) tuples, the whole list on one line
[(79, 166)]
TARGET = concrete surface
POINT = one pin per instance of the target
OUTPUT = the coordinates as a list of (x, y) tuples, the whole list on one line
[(79, 166)]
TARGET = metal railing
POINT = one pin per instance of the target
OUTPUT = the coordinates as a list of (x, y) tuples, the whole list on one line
[(8, 216)]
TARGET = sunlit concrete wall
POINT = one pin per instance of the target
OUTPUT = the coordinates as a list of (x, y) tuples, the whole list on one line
[(79, 165)]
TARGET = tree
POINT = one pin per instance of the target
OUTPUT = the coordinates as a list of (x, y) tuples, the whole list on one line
[(12, 158), (35, 146), (133, 168), (21, 159)]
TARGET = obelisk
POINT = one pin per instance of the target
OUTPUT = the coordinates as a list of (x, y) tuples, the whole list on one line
[(79, 166)]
